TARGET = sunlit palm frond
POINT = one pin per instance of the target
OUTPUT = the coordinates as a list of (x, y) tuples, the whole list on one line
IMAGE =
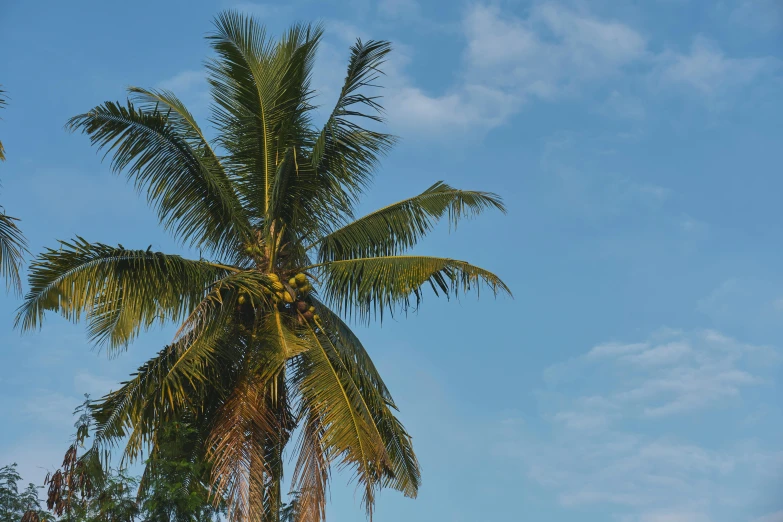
[(13, 247), (261, 90), (349, 434), (398, 227), (120, 291), (365, 286), (345, 154), (164, 154), (404, 473)]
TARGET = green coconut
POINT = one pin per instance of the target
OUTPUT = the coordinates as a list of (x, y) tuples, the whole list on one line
[(250, 250), (300, 279)]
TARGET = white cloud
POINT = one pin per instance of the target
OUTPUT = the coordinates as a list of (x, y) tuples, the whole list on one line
[(708, 71), (551, 52), (617, 438)]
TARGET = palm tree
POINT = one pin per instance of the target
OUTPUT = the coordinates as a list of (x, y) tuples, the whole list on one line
[(263, 352), (13, 245)]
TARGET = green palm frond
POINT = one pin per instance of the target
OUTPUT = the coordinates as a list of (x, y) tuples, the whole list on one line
[(349, 435), (398, 227), (404, 473), (13, 247), (163, 152), (120, 291), (345, 155), (365, 286)]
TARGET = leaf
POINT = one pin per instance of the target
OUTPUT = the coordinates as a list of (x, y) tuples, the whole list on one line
[(398, 227), (365, 286)]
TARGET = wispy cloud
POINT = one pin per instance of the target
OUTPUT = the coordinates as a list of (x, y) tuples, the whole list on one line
[(551, 52), (707, 71), (617, 436)]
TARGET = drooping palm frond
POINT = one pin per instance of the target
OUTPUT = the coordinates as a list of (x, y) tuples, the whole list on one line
[(397, 227), (365, 286), (13, 247), (120, 291), (164, 154), (350, 435)]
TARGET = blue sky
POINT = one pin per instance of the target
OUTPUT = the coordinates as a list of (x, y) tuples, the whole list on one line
[(635, 377)]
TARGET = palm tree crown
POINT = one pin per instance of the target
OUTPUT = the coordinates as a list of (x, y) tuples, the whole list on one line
[(262, 354)]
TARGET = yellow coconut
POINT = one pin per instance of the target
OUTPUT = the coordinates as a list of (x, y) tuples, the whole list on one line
[(277, 286), (292, 282), (273, 277), (300, 279)]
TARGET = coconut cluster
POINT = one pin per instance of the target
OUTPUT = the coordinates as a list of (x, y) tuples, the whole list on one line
[(293, 295)]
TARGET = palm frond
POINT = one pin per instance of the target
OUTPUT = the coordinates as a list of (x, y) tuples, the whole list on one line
[(366, 286), (349, 433), (164, 154), (311, 473), (398, 227), (404, 474), (13, 247), (261, 90), (120, 291), (173, 383), (345, 154)]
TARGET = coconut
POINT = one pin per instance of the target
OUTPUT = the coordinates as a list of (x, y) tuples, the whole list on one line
[(308, 315), (273, 277), (288, 297), (249, 250), (305, 288), (300, 279), (241, 299), (301, 306), (277, 286), (292, 282)]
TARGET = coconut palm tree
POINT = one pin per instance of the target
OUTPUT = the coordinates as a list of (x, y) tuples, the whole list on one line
[(13, 245), (263, 353)]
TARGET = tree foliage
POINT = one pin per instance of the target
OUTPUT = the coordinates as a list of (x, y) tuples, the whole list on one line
[(263, 354), (13, 245)]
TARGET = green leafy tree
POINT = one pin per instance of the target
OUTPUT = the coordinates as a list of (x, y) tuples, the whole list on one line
[(13, 245), (16, 506), (263, 352), (10, 503)]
